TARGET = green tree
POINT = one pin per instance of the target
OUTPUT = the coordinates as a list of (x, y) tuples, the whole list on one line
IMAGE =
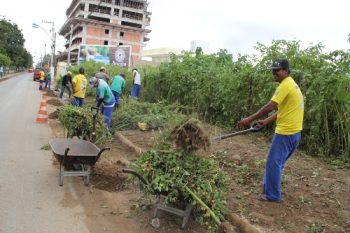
[(4, 60), (12, 44)]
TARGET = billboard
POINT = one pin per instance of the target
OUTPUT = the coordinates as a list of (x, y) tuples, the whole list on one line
[(118, 55)]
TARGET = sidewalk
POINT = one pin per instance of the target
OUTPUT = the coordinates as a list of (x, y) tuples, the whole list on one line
[(7, 76)]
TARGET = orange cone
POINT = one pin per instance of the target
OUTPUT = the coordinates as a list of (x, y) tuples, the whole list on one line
[(42, 113)]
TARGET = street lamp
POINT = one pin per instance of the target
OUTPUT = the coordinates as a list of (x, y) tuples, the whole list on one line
[(53, 45)]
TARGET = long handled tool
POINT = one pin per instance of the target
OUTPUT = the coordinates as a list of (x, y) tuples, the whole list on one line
[(254, 128), (94, 111)]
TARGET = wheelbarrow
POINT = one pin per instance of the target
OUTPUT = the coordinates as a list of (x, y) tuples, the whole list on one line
[(183, 208), (76, 157)]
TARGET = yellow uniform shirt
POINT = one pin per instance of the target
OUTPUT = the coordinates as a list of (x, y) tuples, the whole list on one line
[(79, 83), (290, 104), (42, 75)]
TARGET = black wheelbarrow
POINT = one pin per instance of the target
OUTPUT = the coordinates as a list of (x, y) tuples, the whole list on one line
[(76, 157)]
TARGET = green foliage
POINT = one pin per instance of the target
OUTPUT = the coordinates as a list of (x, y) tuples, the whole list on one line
[(324, 81), (5, 61), (155, 115), (223, 91), (166, 167), (211, 84), (12, 44), (316, 227), (79, 122), (45, 147), (249, 174)]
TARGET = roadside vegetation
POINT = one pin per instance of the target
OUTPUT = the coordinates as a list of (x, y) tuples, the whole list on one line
[(133, 114), (222, 91), (79, 122)]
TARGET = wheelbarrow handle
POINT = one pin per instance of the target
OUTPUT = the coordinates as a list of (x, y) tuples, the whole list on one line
[(101, 151), (135, 173), (65, 155)]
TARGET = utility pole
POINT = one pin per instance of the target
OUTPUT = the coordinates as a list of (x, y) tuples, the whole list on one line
[(53, 47)]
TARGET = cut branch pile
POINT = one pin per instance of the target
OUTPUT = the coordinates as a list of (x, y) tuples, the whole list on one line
[(190, 135)]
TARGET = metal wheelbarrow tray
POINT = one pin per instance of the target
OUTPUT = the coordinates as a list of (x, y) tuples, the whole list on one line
[(76, 153)]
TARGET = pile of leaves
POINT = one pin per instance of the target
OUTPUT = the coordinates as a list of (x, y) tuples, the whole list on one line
[(167, 167), (190, 135), (79, 122), (154, 115)]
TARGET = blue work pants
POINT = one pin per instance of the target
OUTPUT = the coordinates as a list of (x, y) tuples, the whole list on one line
[(282, 148), (107, 111)]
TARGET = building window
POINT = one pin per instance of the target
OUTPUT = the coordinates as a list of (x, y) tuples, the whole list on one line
[(135, 25), (99, 18), (106, 42), (121, 33), (107, 31), (120, 43), (99, 9)]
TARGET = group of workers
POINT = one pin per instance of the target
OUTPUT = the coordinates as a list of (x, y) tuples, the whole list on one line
[(45, 78), (108, 91), (286, 106)]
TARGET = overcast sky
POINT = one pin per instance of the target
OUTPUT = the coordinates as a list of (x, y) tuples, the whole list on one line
[(233, 25)]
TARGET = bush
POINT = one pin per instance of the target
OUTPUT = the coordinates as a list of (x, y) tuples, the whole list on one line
[(223, 91)]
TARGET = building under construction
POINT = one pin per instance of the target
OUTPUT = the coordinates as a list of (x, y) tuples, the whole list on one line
[(105, 22)]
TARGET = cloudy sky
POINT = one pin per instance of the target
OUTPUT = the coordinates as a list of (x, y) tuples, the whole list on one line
[(233, 25)]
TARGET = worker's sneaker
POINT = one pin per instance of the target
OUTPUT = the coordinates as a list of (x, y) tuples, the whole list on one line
[(262, 197)]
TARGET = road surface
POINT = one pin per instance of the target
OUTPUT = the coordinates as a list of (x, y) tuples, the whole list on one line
[(30, 199)]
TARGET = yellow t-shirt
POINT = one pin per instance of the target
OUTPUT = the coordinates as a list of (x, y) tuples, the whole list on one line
[(42, 75), (290, 104), (79, 83)]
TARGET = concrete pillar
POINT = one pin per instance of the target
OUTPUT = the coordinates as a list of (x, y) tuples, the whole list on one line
[(70, 43), (83, 39), (86, 9)]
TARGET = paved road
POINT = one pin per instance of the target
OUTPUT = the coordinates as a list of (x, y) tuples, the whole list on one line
[(30, 199)]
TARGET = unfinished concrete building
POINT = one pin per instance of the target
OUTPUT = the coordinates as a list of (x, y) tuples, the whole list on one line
[(105, 22)]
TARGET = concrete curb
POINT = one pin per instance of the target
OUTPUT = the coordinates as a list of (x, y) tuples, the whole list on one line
[(10, 76)]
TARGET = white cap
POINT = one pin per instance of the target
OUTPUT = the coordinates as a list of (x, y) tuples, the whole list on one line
[(93, 81)]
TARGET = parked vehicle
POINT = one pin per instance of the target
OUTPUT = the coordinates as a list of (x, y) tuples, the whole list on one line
[(36, 75)]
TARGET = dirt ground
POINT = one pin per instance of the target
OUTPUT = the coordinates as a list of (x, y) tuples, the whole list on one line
[(315, 195)]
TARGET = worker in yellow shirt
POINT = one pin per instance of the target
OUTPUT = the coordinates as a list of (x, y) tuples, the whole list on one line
[(288, 100), (79, 83), (42, 79)]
